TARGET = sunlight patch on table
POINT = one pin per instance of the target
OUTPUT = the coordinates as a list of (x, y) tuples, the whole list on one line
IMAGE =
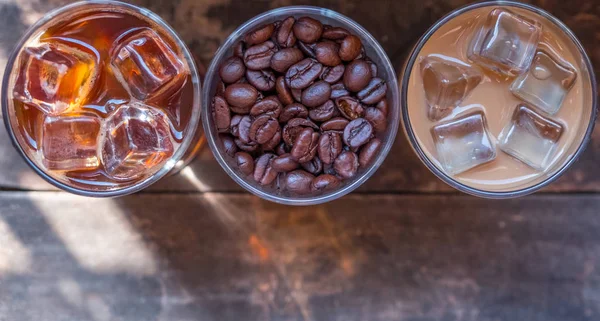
[(191, 177), (15, 258), (70, 291), (97, 234)]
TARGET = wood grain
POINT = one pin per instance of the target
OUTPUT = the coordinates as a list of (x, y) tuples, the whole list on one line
[(234, 257), (193, 247)]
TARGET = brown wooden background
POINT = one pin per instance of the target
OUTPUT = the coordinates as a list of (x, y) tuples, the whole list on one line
[(403, 247)]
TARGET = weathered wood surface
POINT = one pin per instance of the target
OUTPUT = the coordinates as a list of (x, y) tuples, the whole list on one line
[(234, 257), (204, 24), (193, 248)]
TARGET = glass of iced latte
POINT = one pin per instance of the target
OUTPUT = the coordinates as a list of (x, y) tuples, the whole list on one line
[(499, 99)]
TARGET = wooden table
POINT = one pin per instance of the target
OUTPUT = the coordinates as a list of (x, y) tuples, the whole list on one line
[(403, 247)]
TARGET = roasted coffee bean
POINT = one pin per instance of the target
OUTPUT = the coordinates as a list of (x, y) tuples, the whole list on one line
[(285, 58), (273, 37), (326, 53), (294, 110), (307, 49), (247, 147), (323, 112), (268, 106), (298, 182), (339, 90), (263, 129), (333, 74), (350, 107), (314, 166), (259, 56), (357, 75), (264, 174), (234, 125), (346, 165), (284, 163), (330, 146), (283, 92), (229, 145), (357, 133), (324, 182), (239, 49), (232, 70), (280, 182), (362, 55), (324, 74), (220, 91), (244, 129), (313, 149), (373, 67), (273, 143), (335, 124), (307, 29), (335, 33), (261, 79), (328, 169), (294, 127), (336, 112), (317, 94), (281, 149), (376, 118), (374, 92), (350, 48), (369, 152), (383, 106), (241, 97), (245, 162), (305, 146), (221, 114), (300, 75), (297, 94), (301, 145), (284, 35), (259, 35)]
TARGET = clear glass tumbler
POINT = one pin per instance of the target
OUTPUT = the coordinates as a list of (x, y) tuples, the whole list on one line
[(190, 135), (583, 128), (373, 50)]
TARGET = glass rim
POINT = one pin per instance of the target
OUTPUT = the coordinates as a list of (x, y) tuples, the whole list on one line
[(393, 89), (407, 126), (189, 131)]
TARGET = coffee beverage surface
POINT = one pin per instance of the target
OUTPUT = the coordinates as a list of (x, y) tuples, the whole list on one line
[(498, 121), (101, 98)]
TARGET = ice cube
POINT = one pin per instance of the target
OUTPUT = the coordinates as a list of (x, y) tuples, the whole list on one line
[(530, 137), (506, 43), (56, 77), (546, 83), (447, 81), (69, 142), (135, 140), (463, 143), (146, 65)]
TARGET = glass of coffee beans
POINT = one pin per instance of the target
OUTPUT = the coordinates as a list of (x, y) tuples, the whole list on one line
[(301, 105)]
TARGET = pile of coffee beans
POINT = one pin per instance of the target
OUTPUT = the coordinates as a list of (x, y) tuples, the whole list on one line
[(300, 104)]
